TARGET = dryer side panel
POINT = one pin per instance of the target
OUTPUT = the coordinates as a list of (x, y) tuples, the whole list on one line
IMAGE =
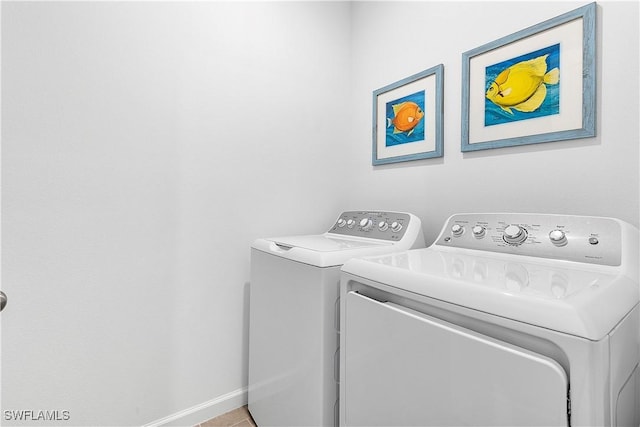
[(404, 368)]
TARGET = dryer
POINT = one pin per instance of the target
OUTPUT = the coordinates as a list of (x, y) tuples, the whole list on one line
[(293, 327), (506, 319)]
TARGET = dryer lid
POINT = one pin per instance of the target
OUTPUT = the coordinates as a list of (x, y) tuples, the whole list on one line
[(562, 296)]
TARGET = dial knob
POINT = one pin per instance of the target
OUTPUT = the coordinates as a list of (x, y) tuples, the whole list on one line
[(514, 234), (558, 237), (342, 222), (478, 231), (351, 223), (366, 224), (457, 230), (396, 226), (383, 226)]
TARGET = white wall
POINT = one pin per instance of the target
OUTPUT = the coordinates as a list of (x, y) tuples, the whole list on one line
[(144, 146), (594, 176)]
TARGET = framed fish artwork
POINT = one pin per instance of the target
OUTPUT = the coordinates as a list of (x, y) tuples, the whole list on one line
[(536, 85), (408, 118)]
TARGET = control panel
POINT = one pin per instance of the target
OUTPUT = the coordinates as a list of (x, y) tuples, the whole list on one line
[(374, 225), (593, 240)]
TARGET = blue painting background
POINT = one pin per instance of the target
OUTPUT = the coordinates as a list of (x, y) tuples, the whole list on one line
[(494, 115), (418, 132)]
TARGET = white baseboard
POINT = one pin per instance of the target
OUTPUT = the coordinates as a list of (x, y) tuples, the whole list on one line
[(204, 411)]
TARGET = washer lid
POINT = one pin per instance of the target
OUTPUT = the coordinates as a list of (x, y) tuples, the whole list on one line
[(322, 250), (563, 296), (322, 243)]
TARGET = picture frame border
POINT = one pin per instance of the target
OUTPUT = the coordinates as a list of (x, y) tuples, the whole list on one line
[(438, 104), (588, 15)]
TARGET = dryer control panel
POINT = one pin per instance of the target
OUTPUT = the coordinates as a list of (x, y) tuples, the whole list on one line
[(390, 226), (594, 240)]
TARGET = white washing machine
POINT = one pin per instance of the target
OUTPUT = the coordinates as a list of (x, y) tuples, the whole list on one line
[(293, 330), (506, 320)]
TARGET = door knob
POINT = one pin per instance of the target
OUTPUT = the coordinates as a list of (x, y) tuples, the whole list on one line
[(3, 300)]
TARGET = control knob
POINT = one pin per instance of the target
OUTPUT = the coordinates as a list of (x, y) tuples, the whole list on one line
[(396, 226), (457, 230), (383, 226), (366, 224), (351, 223), (558, 237), (514, 234), (478, 231), (342, 222)]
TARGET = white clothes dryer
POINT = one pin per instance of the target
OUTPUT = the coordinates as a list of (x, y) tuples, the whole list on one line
[(293, 328), (506, 320)]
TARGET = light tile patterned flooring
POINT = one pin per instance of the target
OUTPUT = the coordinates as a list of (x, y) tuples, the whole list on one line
[(237, 418)]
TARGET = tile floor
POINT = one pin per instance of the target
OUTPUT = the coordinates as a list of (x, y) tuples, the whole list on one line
[(237, 418)]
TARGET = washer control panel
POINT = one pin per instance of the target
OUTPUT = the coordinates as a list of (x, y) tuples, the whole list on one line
[(374, 225), (593, 240)]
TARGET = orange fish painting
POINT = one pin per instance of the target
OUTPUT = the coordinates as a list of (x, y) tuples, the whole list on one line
[(405, 119), (407, 115)]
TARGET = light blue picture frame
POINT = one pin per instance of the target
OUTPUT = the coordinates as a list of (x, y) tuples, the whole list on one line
[(476, 137), (391, 142)]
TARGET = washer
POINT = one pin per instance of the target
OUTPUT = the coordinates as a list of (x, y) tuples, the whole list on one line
[(293, 330), (507, 319)]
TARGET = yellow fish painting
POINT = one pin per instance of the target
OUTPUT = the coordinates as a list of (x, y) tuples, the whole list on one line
[(407, 115), (522, 86)]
